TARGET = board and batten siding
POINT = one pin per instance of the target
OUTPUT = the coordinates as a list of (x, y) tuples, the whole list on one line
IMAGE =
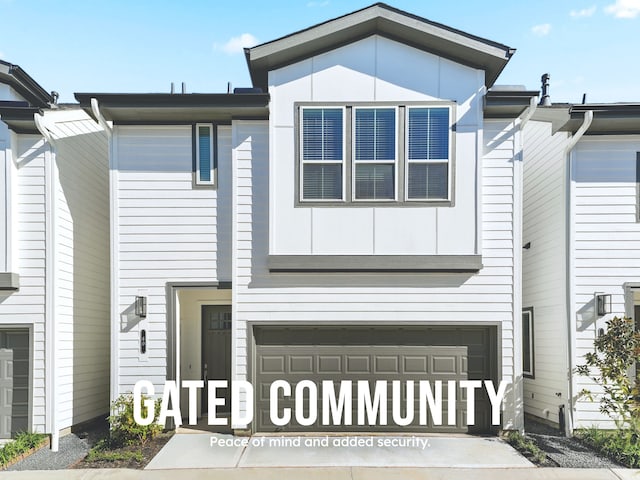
[(165, 231), (544, 267), (81, 296), (606, 241), (27, 306), (486, 298)]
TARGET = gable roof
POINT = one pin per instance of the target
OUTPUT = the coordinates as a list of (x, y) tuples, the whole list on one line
[(22, 83), (379, 19)]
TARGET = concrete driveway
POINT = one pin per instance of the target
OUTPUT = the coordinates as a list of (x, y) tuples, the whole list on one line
[(215, 450)]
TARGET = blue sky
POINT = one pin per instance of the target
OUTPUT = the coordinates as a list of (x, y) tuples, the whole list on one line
[(142, 46)]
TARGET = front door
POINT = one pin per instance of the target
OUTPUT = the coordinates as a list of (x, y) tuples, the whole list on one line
[(216, 350), (14, 382)]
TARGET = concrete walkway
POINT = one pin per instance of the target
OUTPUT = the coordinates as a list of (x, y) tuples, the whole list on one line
[(212, 450), (340, 473)]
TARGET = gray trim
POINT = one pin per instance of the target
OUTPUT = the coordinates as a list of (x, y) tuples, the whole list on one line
[(401, 164), (9, 281), (374, 263), (383, 20)]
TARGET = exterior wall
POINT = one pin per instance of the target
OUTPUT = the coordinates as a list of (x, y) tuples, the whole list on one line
[(26, 307), (374, 69), (81, 267), (606, 237), (544, 272), (486, 298), (163, 230)]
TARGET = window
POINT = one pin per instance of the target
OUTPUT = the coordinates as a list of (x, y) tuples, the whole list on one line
[(385, 153), (322, 140), (428, 153), (527, 342), (374, 154), (205, 162)]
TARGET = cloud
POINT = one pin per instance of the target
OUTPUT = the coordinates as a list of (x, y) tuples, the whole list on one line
[(316, 3), (585, 12), (237, 44), (624, 9), (542, 29)]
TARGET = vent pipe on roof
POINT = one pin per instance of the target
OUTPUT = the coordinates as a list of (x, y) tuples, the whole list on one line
[(54, 97), (229, 87), (584, 98), (184, 88), (545, 98), (173, 88)]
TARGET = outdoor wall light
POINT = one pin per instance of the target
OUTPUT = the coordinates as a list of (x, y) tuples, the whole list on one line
[(141, 307), (603, 304)]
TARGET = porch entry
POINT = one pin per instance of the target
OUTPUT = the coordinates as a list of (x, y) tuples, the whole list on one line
[(216, 350)]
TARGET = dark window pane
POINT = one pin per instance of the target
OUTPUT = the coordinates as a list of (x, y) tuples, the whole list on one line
[(204, 161), (375, 134), (322, 182), (526, 342), (428, 133), (375, 182), (428, 181), (322, 134)]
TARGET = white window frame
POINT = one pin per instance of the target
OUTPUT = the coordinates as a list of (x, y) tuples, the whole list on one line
[(198, 172), (531, 373), (302, 161), (448, 161), (355, 162)]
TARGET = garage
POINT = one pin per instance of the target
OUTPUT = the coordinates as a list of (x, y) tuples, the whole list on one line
[(385, 353)]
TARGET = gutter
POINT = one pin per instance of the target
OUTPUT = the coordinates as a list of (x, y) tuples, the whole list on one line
[(50, 327), (571, 331)]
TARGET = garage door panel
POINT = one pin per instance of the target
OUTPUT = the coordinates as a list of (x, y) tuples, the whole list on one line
[(374, 354)]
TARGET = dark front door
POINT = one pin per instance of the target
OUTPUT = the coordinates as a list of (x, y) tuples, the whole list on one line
[(216, 350), (14, 382)]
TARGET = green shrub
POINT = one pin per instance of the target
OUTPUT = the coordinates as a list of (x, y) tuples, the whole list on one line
[(621, 445), (23, 442), (124, 430), (526, 446)]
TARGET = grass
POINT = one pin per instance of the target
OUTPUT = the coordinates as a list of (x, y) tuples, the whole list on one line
[(527, 447), (111, 456), (23, 442), (622, 446)]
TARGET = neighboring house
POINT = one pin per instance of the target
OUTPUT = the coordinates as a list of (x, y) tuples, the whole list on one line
[(54, 261), (582, 259), (359, 220)]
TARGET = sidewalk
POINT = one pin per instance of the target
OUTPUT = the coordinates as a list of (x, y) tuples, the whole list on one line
[(343, 473)]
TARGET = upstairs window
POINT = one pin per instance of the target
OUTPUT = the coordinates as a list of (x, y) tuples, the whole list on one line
[(322, 139), (375, 151), (527, 342), (428, 153), (205, 163)]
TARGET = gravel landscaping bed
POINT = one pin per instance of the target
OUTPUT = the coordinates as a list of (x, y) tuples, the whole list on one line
[(565, 452)]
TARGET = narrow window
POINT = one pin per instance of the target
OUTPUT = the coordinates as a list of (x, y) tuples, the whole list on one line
[(322, 153), (527, 342), (374, 155), (428, 151), (204, 155)]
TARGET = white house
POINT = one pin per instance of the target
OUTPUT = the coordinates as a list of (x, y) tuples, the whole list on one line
[(54, 267), (356, 215), (581, 259)]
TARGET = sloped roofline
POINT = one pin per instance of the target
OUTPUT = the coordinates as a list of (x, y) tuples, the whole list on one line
[(26, 86), (384, 20)]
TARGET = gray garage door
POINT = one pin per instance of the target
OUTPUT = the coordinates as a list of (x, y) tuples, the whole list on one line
[(14, 382), (380, 353)]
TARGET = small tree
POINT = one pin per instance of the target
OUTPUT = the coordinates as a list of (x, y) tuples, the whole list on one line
[(124, 430), (616, 352)]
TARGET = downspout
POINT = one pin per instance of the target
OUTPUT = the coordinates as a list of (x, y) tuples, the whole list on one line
[(50, 330), (518, 175), (571, 331), (113, 256)]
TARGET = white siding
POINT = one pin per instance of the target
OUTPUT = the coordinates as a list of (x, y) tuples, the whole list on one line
[(544, 267), (606, 236), (27, 306), (483, 299), (166, 232), (81, 224), (374, 69)]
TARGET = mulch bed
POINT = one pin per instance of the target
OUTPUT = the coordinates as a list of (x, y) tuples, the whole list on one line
[(148, 450)]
